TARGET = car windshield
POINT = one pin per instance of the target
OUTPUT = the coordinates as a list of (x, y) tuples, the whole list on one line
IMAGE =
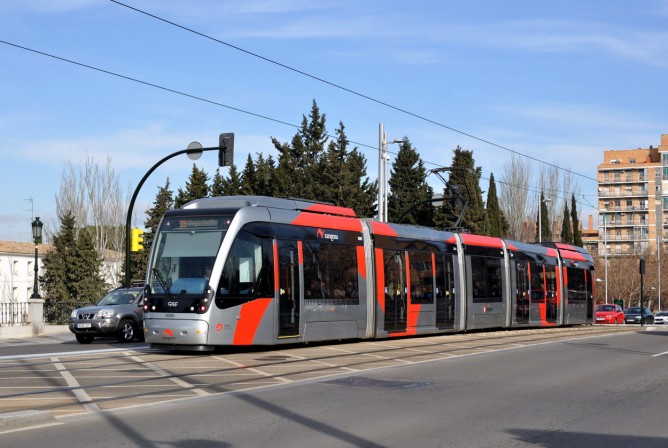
[(606, 308), (633, 310), (119, 297), (662, 313)]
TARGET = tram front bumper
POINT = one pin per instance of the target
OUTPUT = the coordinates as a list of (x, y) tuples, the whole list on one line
[(176, 331)]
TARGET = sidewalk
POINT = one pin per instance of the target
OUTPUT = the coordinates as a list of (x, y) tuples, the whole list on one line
[(53, 334)]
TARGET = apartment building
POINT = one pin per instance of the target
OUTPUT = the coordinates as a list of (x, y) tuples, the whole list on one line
[(633, 199)]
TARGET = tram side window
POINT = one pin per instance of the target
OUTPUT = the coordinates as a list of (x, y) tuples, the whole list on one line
[(248, 272), (330, 273), (422, 279), (537, 283), (486, 279), (577, 287), (551, 281)]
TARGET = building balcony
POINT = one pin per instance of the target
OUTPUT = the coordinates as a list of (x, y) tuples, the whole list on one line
[(623, 194), (628, 237)]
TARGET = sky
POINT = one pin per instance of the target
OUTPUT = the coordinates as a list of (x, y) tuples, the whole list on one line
[(556, 83)]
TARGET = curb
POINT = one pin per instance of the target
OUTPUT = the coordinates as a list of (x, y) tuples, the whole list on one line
[(23, 419)]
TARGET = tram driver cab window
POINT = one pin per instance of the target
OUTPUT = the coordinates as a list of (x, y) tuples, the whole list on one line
[(247, 273)]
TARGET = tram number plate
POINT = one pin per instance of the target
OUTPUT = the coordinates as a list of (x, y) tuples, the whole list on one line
[(84, 325)]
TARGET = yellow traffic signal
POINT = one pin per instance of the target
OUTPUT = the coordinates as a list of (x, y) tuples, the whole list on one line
[(136, 240)]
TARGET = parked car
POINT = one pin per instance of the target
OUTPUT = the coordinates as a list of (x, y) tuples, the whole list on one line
[(632, 315), (609, 314), (661, 317), (119, 313)]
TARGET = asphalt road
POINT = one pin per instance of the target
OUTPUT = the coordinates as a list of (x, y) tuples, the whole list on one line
[(482, 390)]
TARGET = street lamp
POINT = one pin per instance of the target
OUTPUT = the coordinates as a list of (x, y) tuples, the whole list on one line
[(540, 217), (37, 239)]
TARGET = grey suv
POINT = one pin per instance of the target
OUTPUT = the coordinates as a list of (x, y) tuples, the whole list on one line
[(119, 313)]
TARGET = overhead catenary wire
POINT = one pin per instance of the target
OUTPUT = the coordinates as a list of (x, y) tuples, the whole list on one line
[(349, 90), (187, 95)]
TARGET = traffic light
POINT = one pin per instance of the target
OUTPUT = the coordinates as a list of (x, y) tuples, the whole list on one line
[(226, 149), (136, 240)]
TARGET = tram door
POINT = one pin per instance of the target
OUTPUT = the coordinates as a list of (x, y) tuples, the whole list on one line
[(445, 292), (395, 290), (522, 303), (288, 294)]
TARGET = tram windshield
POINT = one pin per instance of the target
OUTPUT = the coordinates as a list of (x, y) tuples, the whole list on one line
[(185, 250)]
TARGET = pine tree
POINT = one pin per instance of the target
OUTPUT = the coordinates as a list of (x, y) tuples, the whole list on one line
[(231, 185), (465, 179), (56, 281), (577, 235), (87, 283), (497, 223), (566, 234), (264, 183), (343, 178), (196, 187), (297, 170), (410, 195), (226, 186), (248, 177), (72, 267)]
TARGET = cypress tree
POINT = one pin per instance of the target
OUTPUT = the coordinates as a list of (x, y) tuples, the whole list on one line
[(577, 235), (545, 227), (497, 223), (566, 234)]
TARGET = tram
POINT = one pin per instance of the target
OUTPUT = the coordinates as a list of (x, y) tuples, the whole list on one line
[(252, 270)]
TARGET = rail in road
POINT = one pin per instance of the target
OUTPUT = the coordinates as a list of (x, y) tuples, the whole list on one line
[(74, 383)]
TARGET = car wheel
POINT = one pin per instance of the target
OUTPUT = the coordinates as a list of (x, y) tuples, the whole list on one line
[(85, 338), (126, 331)]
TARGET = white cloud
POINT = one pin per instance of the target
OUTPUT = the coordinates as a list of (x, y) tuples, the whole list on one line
[(46, 6), (561, 36)]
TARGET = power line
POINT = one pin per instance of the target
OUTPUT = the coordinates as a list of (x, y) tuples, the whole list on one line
[(195, 97), (345, 89), (167, 89)]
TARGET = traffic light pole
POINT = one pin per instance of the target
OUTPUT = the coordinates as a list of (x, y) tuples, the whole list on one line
[(134, 198)]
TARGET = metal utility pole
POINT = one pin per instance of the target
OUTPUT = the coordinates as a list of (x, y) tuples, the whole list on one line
[(382, 153), (383, 158)]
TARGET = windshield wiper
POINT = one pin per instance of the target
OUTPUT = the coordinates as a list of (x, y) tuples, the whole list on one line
[(162, 282)]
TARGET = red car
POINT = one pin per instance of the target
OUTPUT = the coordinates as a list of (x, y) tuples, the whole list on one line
[(609, 314)]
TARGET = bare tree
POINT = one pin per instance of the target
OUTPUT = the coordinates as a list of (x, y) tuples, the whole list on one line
[(95, 198), (514, 187)]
